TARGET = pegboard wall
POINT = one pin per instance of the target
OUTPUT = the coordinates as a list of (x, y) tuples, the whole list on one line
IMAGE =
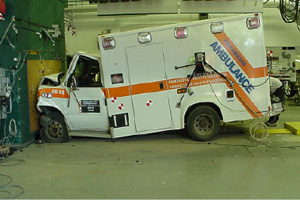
[(24, 35)]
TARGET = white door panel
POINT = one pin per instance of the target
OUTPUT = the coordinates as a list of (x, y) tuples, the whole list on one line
[(151, 109), (87, 110)]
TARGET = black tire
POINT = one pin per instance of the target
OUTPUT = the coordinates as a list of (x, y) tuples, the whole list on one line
[(288, 89), (203, 123), (56, 130)]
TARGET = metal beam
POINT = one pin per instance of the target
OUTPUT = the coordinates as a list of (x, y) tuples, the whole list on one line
[(179, 7)]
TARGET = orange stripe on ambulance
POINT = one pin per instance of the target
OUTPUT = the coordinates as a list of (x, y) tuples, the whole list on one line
[(230, 64)]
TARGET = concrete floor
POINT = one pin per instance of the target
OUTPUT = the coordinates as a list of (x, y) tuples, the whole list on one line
[(160, 166)]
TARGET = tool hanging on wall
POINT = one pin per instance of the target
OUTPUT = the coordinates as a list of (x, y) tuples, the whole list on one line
[(73, 31), (69, 26), (72, 28)]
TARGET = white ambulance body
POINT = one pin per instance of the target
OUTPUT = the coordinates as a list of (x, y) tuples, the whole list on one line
[(191, 75)]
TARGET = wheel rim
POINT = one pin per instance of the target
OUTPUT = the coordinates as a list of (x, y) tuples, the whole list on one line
[(287, 89), (203, 124), (55, 130)]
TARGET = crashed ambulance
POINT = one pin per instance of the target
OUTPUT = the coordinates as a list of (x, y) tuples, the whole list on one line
[(194, 75)]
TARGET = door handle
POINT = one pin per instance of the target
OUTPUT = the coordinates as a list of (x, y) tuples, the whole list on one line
[(161, 85)]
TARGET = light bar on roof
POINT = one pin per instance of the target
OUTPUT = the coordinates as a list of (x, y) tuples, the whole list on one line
[(108, 43), (144, 37), (180, 32), (253, 23), (217, 27)]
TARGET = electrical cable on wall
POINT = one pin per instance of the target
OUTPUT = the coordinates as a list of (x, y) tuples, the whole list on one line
[(289, 12), (10, 137), (7, 29), (12, 133), (10, 43)]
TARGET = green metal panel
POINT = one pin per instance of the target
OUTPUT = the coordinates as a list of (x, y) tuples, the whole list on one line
[(32, 17)]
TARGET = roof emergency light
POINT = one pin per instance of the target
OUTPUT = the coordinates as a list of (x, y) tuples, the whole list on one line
[(217, 27), (144, 37), (180, 32), (108, 43), (253, 22)]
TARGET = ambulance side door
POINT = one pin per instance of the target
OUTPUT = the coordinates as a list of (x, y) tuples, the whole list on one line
[(86, 108), (149, 92)]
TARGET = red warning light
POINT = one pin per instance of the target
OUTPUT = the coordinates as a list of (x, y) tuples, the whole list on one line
[(2, 7)]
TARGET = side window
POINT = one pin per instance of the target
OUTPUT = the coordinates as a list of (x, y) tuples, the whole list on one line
[(87, 73)]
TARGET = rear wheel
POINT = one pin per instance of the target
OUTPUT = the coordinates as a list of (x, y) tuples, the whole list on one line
[(55, 130), (203, 123), (288, 89)]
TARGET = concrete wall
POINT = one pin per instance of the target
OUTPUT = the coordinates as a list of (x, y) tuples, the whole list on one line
[(88, 26), (277, 32)]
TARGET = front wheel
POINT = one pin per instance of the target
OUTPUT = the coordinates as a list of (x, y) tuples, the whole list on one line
[(203, 123), (55, 130)]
